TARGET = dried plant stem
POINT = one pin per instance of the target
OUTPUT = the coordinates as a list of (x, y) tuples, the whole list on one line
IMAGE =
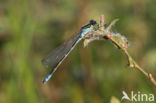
[(118, 40), (133, 64)]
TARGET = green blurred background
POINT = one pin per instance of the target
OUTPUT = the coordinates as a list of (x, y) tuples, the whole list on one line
[(30, 29)]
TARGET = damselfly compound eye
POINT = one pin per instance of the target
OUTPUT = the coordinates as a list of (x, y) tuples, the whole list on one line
[(92, 22)]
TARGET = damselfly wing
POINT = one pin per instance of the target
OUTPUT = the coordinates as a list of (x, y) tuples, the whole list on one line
[(56, 57)]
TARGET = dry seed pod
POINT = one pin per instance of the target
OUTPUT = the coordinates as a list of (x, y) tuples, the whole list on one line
[(121, 40)]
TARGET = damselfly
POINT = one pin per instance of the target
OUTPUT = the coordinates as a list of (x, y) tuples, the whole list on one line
[(59, 54)]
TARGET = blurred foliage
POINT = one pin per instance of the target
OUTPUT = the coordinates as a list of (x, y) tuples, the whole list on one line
[(30, 29)]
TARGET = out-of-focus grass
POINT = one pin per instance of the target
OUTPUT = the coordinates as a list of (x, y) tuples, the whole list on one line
[(19, 85), (29, 29)]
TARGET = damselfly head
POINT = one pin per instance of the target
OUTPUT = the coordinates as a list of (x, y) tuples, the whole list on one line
[(92, 22)]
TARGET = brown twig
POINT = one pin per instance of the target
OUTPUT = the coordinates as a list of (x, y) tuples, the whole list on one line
[(133, 64), (121, 42)]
